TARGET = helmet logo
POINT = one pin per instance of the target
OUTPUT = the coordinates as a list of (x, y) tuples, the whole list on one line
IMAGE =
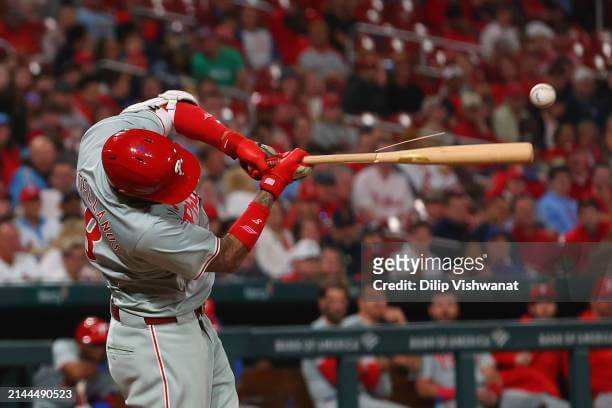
[(178, 167)]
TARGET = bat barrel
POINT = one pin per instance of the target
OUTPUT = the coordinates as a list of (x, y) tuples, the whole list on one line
[(492, 153)]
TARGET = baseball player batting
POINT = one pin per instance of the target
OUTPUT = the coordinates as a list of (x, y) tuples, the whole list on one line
[(147, 233)]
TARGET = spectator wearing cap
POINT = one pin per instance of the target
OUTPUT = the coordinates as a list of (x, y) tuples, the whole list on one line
[(330, 133), (305, 261), (10, 159), (508, 117), (274, 244), (256, 39), (472, 120), (600, 359), (36, 171), (556, 209), (590, 227), (35, 230), (16, 266), (381, 191), (530, 377), (320, 57), (345, 236), (213, 60), (81, 363)]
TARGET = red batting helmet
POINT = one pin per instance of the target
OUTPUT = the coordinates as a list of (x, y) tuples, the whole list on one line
[(145, 164), (92, 330)]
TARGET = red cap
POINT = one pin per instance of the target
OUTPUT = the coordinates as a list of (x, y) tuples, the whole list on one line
[(29, 193), (542, 292), (92, 330), (602, 290), (145, 164)]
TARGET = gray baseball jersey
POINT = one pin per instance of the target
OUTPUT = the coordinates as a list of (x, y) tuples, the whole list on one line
[(320, 389), (385, 386), (440, 369), (152, 256)]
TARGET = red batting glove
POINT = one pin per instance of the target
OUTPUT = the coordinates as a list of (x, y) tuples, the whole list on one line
[(277, 178), (252, 156)]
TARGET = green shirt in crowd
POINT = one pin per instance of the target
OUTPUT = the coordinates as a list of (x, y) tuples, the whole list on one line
[(223, 69)]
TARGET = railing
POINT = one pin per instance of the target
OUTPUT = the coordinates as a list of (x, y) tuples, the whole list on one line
[(463, 339), (245, 291), (426, 43)]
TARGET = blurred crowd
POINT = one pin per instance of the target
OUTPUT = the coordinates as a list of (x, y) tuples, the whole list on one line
[(315, 74)]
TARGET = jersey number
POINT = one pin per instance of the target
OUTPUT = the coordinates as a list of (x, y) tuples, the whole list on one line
[(92, 233)]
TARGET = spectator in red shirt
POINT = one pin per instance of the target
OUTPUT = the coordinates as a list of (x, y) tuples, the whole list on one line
[(473, 118), (600, 359), (10, 159), (580, 172), (601, 191), (590, 227), (530, 377), (537, 253)]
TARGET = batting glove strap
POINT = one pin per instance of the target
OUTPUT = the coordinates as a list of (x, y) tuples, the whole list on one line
[(248, 227), (273, 184)]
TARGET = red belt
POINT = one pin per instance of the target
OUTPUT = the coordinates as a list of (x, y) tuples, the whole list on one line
[(153, 320)]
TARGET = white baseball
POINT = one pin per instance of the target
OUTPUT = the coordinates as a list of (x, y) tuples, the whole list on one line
[(542, 95)]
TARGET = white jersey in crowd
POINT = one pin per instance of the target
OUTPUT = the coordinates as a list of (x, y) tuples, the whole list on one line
[(23, 269)]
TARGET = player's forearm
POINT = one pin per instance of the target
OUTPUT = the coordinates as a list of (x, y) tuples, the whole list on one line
[(195, 123), (233, 250)]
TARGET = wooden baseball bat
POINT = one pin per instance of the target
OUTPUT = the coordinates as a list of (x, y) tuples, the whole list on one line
[(492, 153)]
